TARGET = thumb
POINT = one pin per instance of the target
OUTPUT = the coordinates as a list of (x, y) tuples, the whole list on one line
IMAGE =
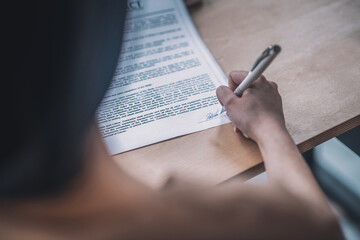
[(225, 95)]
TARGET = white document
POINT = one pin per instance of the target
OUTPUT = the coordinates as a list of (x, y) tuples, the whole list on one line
[(165, 82)]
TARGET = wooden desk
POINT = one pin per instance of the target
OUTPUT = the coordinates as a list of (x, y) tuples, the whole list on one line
[(318, 73)]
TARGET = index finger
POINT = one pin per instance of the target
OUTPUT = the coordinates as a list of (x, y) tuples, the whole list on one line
[(235, 78)]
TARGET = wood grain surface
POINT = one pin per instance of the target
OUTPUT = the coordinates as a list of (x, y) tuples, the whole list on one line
[(318, 73)]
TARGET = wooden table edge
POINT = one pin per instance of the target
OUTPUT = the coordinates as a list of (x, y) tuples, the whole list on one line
[(331, 133), (303, 147)]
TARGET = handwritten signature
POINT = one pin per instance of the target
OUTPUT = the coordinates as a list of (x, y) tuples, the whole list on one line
[(218, 113)]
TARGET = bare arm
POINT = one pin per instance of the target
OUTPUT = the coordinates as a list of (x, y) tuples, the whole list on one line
[(258, 114)]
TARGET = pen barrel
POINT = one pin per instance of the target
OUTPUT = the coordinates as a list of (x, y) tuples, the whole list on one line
[(248, 80), (254, 75)]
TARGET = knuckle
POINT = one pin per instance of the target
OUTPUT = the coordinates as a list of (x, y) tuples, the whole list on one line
[(274, 84), (262, 78)]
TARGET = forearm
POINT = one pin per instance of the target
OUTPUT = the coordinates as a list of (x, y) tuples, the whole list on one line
[(285, 165)]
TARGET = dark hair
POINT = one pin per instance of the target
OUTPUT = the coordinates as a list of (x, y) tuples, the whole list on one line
[(60, 58)]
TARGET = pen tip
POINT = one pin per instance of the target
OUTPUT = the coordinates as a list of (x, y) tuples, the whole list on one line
[(277, 48)]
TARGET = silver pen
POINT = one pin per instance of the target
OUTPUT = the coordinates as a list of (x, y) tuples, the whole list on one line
[(259, 66)]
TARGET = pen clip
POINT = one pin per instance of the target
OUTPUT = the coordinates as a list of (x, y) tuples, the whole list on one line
[(262, 56)]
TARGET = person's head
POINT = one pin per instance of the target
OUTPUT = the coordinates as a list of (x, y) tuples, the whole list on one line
[(60, 57)]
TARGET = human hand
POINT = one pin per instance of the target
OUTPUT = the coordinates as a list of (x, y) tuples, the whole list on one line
[(258, 111)]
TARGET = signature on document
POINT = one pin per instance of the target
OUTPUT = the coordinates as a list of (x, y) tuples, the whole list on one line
[(213, 115)]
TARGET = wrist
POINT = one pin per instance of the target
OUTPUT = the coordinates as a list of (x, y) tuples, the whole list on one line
[(269, 132)]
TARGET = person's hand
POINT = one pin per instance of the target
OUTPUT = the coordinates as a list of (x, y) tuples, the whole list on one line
[(258, 111)]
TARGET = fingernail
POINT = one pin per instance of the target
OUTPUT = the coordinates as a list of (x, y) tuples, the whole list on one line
[(235, 131)]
